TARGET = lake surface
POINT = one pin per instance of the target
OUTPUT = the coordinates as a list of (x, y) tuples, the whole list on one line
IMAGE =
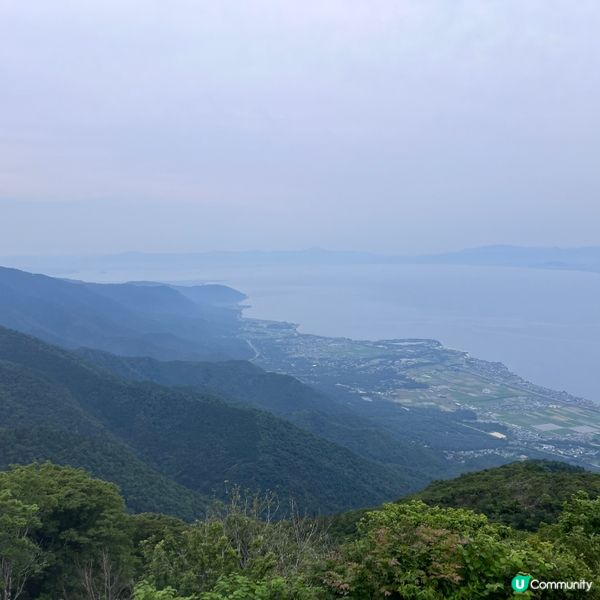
[(543, 324)]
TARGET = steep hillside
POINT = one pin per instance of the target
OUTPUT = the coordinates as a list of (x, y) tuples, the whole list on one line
[(288, 398), (130, 319), (41, 420), (195, 439), (522, 494)]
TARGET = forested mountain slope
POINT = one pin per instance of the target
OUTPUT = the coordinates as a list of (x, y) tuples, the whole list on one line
[(288, 398), (195, 439), (146, 319), (521, 494), (41, 420)]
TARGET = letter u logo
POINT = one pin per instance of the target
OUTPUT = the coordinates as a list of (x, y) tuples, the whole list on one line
[(520, 583)]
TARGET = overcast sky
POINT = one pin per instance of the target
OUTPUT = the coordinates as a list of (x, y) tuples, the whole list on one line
[(388, 125)]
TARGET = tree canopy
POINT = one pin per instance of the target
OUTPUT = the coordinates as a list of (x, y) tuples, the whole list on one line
[(64, 534)]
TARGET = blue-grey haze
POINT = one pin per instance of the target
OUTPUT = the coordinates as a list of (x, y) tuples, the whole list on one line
[(395, 126), (403, 126), (542, 323)]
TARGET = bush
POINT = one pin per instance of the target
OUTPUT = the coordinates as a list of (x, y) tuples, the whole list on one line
[(413, 551)]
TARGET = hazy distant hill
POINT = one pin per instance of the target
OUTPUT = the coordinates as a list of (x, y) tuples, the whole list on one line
[(54, 405), (580, 258), (130, 319)]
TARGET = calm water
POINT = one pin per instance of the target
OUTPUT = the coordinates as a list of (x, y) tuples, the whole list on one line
[(545, 325)]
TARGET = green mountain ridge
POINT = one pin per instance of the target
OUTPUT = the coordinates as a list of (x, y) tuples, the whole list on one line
[(195, 439), (131, 319), (41, 420), (523, 495), (288, 398)]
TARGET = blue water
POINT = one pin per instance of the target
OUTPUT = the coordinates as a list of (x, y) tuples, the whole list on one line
[(544, 325)]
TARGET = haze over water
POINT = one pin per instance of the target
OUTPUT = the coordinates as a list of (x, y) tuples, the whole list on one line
[(411, 127), (543, 324)]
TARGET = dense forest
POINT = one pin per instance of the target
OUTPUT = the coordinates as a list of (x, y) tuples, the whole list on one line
[(189, 337), (169, 449), (286, 397), (171, 477), (524, 495), (66, 535)]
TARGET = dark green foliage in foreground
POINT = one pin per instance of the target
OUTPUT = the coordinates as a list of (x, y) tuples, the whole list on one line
[(521, 494), (68, 536), (79, 532), (412, 550), (578, 529)]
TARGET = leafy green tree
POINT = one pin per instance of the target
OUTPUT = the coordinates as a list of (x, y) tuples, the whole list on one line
[(412, 551), (521, 494), (578, 529), (81, 531), (241, 537), (64, 535), (20, 557), (193, 560), (146, 591), (240, 587)]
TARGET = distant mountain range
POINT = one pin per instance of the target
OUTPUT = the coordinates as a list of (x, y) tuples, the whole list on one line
[(193, 323), (574, 259), (131, 397), (579, 259), (149, 385)]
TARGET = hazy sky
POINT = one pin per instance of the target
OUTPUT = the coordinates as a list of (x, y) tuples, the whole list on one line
[(388, 125)]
